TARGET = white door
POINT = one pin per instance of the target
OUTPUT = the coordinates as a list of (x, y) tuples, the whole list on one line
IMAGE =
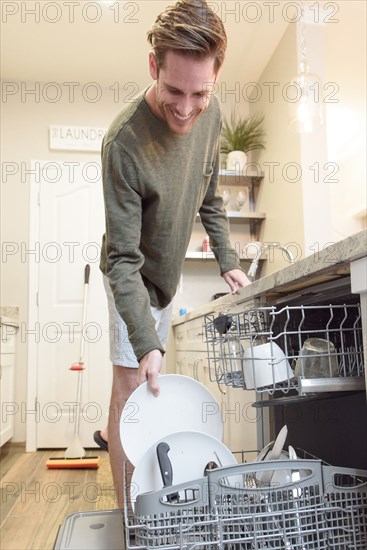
[(71, 224)]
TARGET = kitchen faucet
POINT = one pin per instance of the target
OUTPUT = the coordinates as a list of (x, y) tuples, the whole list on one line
[(267, 246)]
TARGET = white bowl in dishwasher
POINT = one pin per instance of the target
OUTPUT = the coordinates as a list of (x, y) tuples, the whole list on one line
[(265, 365)]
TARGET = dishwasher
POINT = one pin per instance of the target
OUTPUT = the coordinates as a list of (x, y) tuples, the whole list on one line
[(317, 500), (326, 415), (314, 497)]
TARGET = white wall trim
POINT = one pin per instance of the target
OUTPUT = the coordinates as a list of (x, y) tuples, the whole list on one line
[(31, 427)]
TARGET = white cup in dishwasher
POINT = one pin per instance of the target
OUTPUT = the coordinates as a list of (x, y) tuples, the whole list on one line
[(265, 365)]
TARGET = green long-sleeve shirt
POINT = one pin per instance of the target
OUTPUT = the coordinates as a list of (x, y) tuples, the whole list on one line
[(154, 185)]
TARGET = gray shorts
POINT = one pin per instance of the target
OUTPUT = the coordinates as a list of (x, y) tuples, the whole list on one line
[(121, 351)]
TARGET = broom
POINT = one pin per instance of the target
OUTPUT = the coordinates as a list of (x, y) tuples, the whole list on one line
[(74, 456)]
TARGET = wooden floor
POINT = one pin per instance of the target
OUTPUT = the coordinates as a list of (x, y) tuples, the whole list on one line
[(36, 500)]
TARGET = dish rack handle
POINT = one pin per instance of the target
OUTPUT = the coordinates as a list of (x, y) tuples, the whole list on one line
[(220, 478), (157, 502), (344, 479)]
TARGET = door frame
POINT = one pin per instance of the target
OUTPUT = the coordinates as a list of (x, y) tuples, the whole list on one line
[(33, 315)]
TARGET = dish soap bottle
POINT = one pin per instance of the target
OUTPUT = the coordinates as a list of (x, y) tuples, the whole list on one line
[(206, 245)]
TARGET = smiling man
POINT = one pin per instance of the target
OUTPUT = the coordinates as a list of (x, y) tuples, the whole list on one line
[(178, 101), (160, 160)]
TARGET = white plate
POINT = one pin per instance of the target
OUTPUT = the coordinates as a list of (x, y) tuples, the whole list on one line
[(182, 405), (282, 477), (190, 452)]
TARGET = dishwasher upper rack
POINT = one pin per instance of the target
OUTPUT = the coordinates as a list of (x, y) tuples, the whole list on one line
[(234, 356)]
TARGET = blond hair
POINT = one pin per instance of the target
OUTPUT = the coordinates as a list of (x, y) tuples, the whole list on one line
[(189, 27)]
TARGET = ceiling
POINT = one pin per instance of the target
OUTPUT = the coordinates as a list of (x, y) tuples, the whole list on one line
[(105, 41)]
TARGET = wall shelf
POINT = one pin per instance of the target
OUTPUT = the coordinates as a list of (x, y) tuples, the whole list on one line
[(244, 224), (230, 177), (241, 217), (251, 180), (209, 256)]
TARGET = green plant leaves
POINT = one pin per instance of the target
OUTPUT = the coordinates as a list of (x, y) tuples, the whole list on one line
[(242, 134)]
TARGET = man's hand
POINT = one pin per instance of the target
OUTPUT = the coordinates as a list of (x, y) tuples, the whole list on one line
[(236, 279), (149, 369)]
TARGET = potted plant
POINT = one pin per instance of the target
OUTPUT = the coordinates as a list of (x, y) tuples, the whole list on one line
[(239, 137)]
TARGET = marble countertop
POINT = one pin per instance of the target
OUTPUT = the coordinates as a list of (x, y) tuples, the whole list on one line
[(328, 264), (9, 315)]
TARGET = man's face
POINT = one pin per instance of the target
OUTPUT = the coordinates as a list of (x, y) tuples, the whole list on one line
[(182, 89)]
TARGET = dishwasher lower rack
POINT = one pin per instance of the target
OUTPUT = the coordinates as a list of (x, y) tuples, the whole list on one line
[(263, 349), (256, 506)]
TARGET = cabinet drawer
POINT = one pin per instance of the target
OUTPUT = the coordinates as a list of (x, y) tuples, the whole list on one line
[(7, 342), (190, 363), (239, 418), (7, 359), (6, 396), (190, 335), (195, 365)]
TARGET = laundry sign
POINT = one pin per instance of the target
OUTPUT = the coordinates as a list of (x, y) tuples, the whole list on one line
[(76, 138)]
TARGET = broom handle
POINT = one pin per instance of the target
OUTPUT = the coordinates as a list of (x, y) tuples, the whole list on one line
[(81, 360), (77, 413), (86, 283)]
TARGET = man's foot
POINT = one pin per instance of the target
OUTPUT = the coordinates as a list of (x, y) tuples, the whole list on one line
[(100, 441)]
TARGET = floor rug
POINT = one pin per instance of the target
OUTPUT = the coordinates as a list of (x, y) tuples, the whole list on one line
[(105, 499)]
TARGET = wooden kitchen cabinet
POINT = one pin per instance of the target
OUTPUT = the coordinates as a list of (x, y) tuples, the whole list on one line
[(7, 380), (240, 421), (191, 360), (190, 335)]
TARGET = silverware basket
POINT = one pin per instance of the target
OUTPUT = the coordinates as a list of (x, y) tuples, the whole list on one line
[(274, 505), (346, 507), (178, 517), (269, 510), (263, 349), (174, 517)]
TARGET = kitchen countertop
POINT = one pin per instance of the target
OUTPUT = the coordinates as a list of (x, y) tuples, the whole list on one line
[(327, 265), (9, 315)]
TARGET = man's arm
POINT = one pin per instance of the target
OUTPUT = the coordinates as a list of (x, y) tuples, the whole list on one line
[(123, 205), (214, 218), (149, 368), (236, 279)]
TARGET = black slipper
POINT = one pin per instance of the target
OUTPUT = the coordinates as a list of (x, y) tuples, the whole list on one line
[(100, 441)]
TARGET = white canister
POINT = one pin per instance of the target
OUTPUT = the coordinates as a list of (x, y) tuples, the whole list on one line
[(236, 160)]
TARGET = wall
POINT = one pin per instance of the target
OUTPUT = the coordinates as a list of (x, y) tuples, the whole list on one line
[(314, 181), (24, 126), (345, 65), (280, 197), (328, 201)]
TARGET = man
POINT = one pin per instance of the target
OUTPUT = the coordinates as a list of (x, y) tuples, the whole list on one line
[(160, 163)]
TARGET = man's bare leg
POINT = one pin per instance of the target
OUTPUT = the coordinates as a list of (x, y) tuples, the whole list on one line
[(123, 384)]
